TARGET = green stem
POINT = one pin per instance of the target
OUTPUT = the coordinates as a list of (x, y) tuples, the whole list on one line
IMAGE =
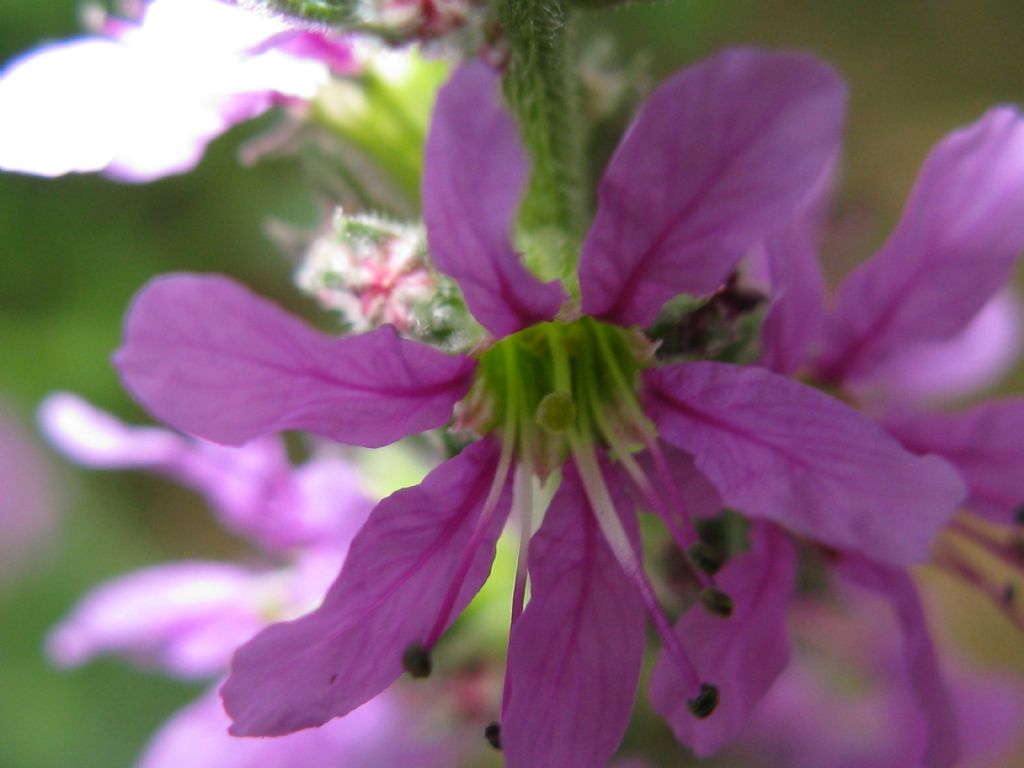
[(542, 89)]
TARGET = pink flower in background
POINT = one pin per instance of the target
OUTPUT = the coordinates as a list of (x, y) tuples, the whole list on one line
[(928, 319), (254, 490), (850, 659), (719, 155), (142, 98), (187, 618), (27, 514)]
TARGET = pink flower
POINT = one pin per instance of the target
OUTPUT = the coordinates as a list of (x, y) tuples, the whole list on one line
[(881, 723), (253, 490), (927, 318), (718, 156), (27, 504), (143, 98)]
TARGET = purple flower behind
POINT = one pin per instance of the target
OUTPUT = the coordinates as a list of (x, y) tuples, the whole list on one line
[(142, 98), (187, 618), (27, 514), (252, 489), (720, 154), (855, 657), (930, 318)]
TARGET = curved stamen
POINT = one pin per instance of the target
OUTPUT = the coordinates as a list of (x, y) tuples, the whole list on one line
[(657, 504), (1001, 594), (1008, 549), (622, 548)]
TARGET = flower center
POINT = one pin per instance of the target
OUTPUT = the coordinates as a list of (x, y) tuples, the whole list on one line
[(537, 386)]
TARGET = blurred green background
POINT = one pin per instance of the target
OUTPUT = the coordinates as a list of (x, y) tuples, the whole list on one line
[(75, 250)]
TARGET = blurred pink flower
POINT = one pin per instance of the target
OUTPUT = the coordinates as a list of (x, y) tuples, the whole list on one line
[(142, 98), (928, 318), (27, 503), (848, 701), (187, 618)]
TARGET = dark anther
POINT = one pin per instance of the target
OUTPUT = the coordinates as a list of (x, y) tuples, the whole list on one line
[(1018, 516), (332, 679), (716, 601), (493, 735), (416, 661), (704, 703), (705, 557), (1009, 594)]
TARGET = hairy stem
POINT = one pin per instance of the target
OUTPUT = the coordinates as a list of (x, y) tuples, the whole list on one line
[(543, 92)]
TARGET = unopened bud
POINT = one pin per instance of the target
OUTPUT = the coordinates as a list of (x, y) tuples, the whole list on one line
[(556, 412), (417, 662), (704, 703), (716, 601), (493, 735), (705, 557)]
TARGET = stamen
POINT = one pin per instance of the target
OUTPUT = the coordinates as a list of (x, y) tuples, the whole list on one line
[(685, 536), (417, 661), (1009, 552), (618, 444), (665, 475), (952, 561), (622, 548)]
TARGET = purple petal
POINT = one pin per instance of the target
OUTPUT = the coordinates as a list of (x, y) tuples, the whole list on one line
[(927, 685), (383, 733), (742, 654), (792, 327), (786, 452), (960, 234), (978, 357), (719, 155), (208, 357), (793, 324), (94, 438), (984, 443), (575, 653), (389, 594), (185, 618), (473, 177)]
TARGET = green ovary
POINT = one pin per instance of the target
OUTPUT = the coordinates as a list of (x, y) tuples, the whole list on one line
[(552, 380)]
